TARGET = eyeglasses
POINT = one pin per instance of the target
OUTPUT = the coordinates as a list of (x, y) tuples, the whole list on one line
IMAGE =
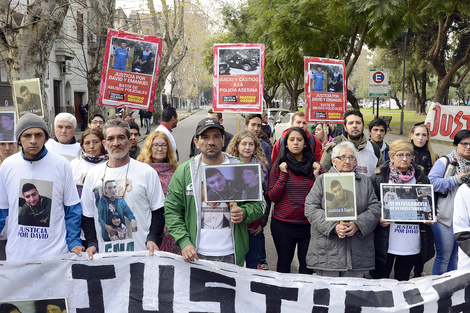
[(162, 146), (401, 155), (465, 144), (344, 158), (97, 122)]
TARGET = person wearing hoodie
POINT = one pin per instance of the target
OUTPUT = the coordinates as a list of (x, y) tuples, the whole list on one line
[(369, 157), (298, 120)]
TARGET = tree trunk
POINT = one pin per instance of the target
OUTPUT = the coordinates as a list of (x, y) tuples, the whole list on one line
[(353, 100), (410, 95), (422, 105), (25, 48)]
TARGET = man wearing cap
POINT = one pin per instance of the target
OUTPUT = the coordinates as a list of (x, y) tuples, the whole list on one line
[(51, 175), (185, 206)]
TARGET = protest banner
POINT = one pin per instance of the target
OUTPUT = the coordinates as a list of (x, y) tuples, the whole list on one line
[(445, 121), (27, 97), (229, 183), (325, 90), (130, 70), (238, 78), (136, 282), (407, 203), (340, 197)]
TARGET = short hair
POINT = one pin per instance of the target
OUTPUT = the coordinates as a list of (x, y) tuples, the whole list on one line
[(212, 171), (249, 117), (8, 308), (168, 113), (28, 187), (461, 135), (377, 122), (23, 89), (65, 117), (133, 125), (95, 132), (297, 114), (109, 181), (219, 115), (343, 145), (335, 183), (41, 305), (118, 123), (97, 115), (9, 115), (353, 112), (399, 145)]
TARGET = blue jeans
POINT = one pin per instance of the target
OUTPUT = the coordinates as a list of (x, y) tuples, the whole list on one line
[(147, 124), (251, 258), (446, 249)]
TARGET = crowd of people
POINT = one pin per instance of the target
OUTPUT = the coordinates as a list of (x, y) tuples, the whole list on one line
[(107, 194)]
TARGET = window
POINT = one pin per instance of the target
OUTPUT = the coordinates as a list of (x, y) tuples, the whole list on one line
[(80, 32)]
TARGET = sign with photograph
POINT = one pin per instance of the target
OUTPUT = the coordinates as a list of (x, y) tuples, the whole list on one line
[(28, 97), (445, 121), (234, 182), (39, 305), (130, 70), (325, 89), (238, 78), (378, 83), (7, 126), (340, 197), (407, 202)]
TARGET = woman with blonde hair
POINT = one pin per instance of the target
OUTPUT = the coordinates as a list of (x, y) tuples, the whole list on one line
[(247, 148), (423, 154), (158, 153)]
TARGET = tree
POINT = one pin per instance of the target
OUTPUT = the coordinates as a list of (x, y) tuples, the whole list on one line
[(27, 34)]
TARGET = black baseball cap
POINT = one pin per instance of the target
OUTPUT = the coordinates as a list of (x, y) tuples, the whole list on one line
[(206, 124)]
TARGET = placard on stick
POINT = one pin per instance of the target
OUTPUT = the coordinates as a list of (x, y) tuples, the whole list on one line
[(27, 97), (130, 70), (238, 78), (340, 197)]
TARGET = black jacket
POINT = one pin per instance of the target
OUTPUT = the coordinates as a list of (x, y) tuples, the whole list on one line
[(382, 233)]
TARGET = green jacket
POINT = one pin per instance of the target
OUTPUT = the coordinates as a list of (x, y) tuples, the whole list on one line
[(183, 208)]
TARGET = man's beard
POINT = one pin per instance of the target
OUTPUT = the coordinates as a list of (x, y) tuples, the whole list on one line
[(118, 156), (356, 137)]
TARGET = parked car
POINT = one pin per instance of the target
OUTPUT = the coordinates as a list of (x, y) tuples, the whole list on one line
[(224, 69), (243, 62), (281, 126), (272, 114)]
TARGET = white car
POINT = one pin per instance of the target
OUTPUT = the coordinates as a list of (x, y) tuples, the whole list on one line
[(281, 126), (275, 115)]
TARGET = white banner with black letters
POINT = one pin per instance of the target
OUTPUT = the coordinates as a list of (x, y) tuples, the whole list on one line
[(136, 282)]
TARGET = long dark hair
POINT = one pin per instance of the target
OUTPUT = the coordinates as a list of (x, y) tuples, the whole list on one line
[(306, 152)]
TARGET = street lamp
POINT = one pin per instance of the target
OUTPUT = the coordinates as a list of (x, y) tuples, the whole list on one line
[(403, 91)]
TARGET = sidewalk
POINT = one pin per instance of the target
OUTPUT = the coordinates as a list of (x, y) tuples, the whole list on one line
[(182, 114)]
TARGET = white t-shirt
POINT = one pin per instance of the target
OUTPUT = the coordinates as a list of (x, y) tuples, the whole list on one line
[(81, 167), (53, 180), (142, 195), (215, 236), (69, 152), (170, 136), (404, 239)]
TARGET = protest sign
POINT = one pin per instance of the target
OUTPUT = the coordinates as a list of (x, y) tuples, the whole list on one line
[(325, 89), (27, 97), (340, 197), (135, 282), (407, 203), (445, 121), (235, 182), (130, 70), (7, 126), (238, 78)]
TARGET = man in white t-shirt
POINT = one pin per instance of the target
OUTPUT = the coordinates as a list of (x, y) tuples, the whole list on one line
[(122, 194), (212, 231), (40, 182), (64, 142), (169, 121)]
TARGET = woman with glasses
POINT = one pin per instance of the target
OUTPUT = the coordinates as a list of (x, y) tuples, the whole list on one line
[(446, 179), (423, 154), (158, 153), (342, 249), (290, 180), (391, 244)]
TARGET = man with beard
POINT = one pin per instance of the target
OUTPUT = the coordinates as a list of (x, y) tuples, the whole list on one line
[(122, 180), (185, 207), (369, 157)]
